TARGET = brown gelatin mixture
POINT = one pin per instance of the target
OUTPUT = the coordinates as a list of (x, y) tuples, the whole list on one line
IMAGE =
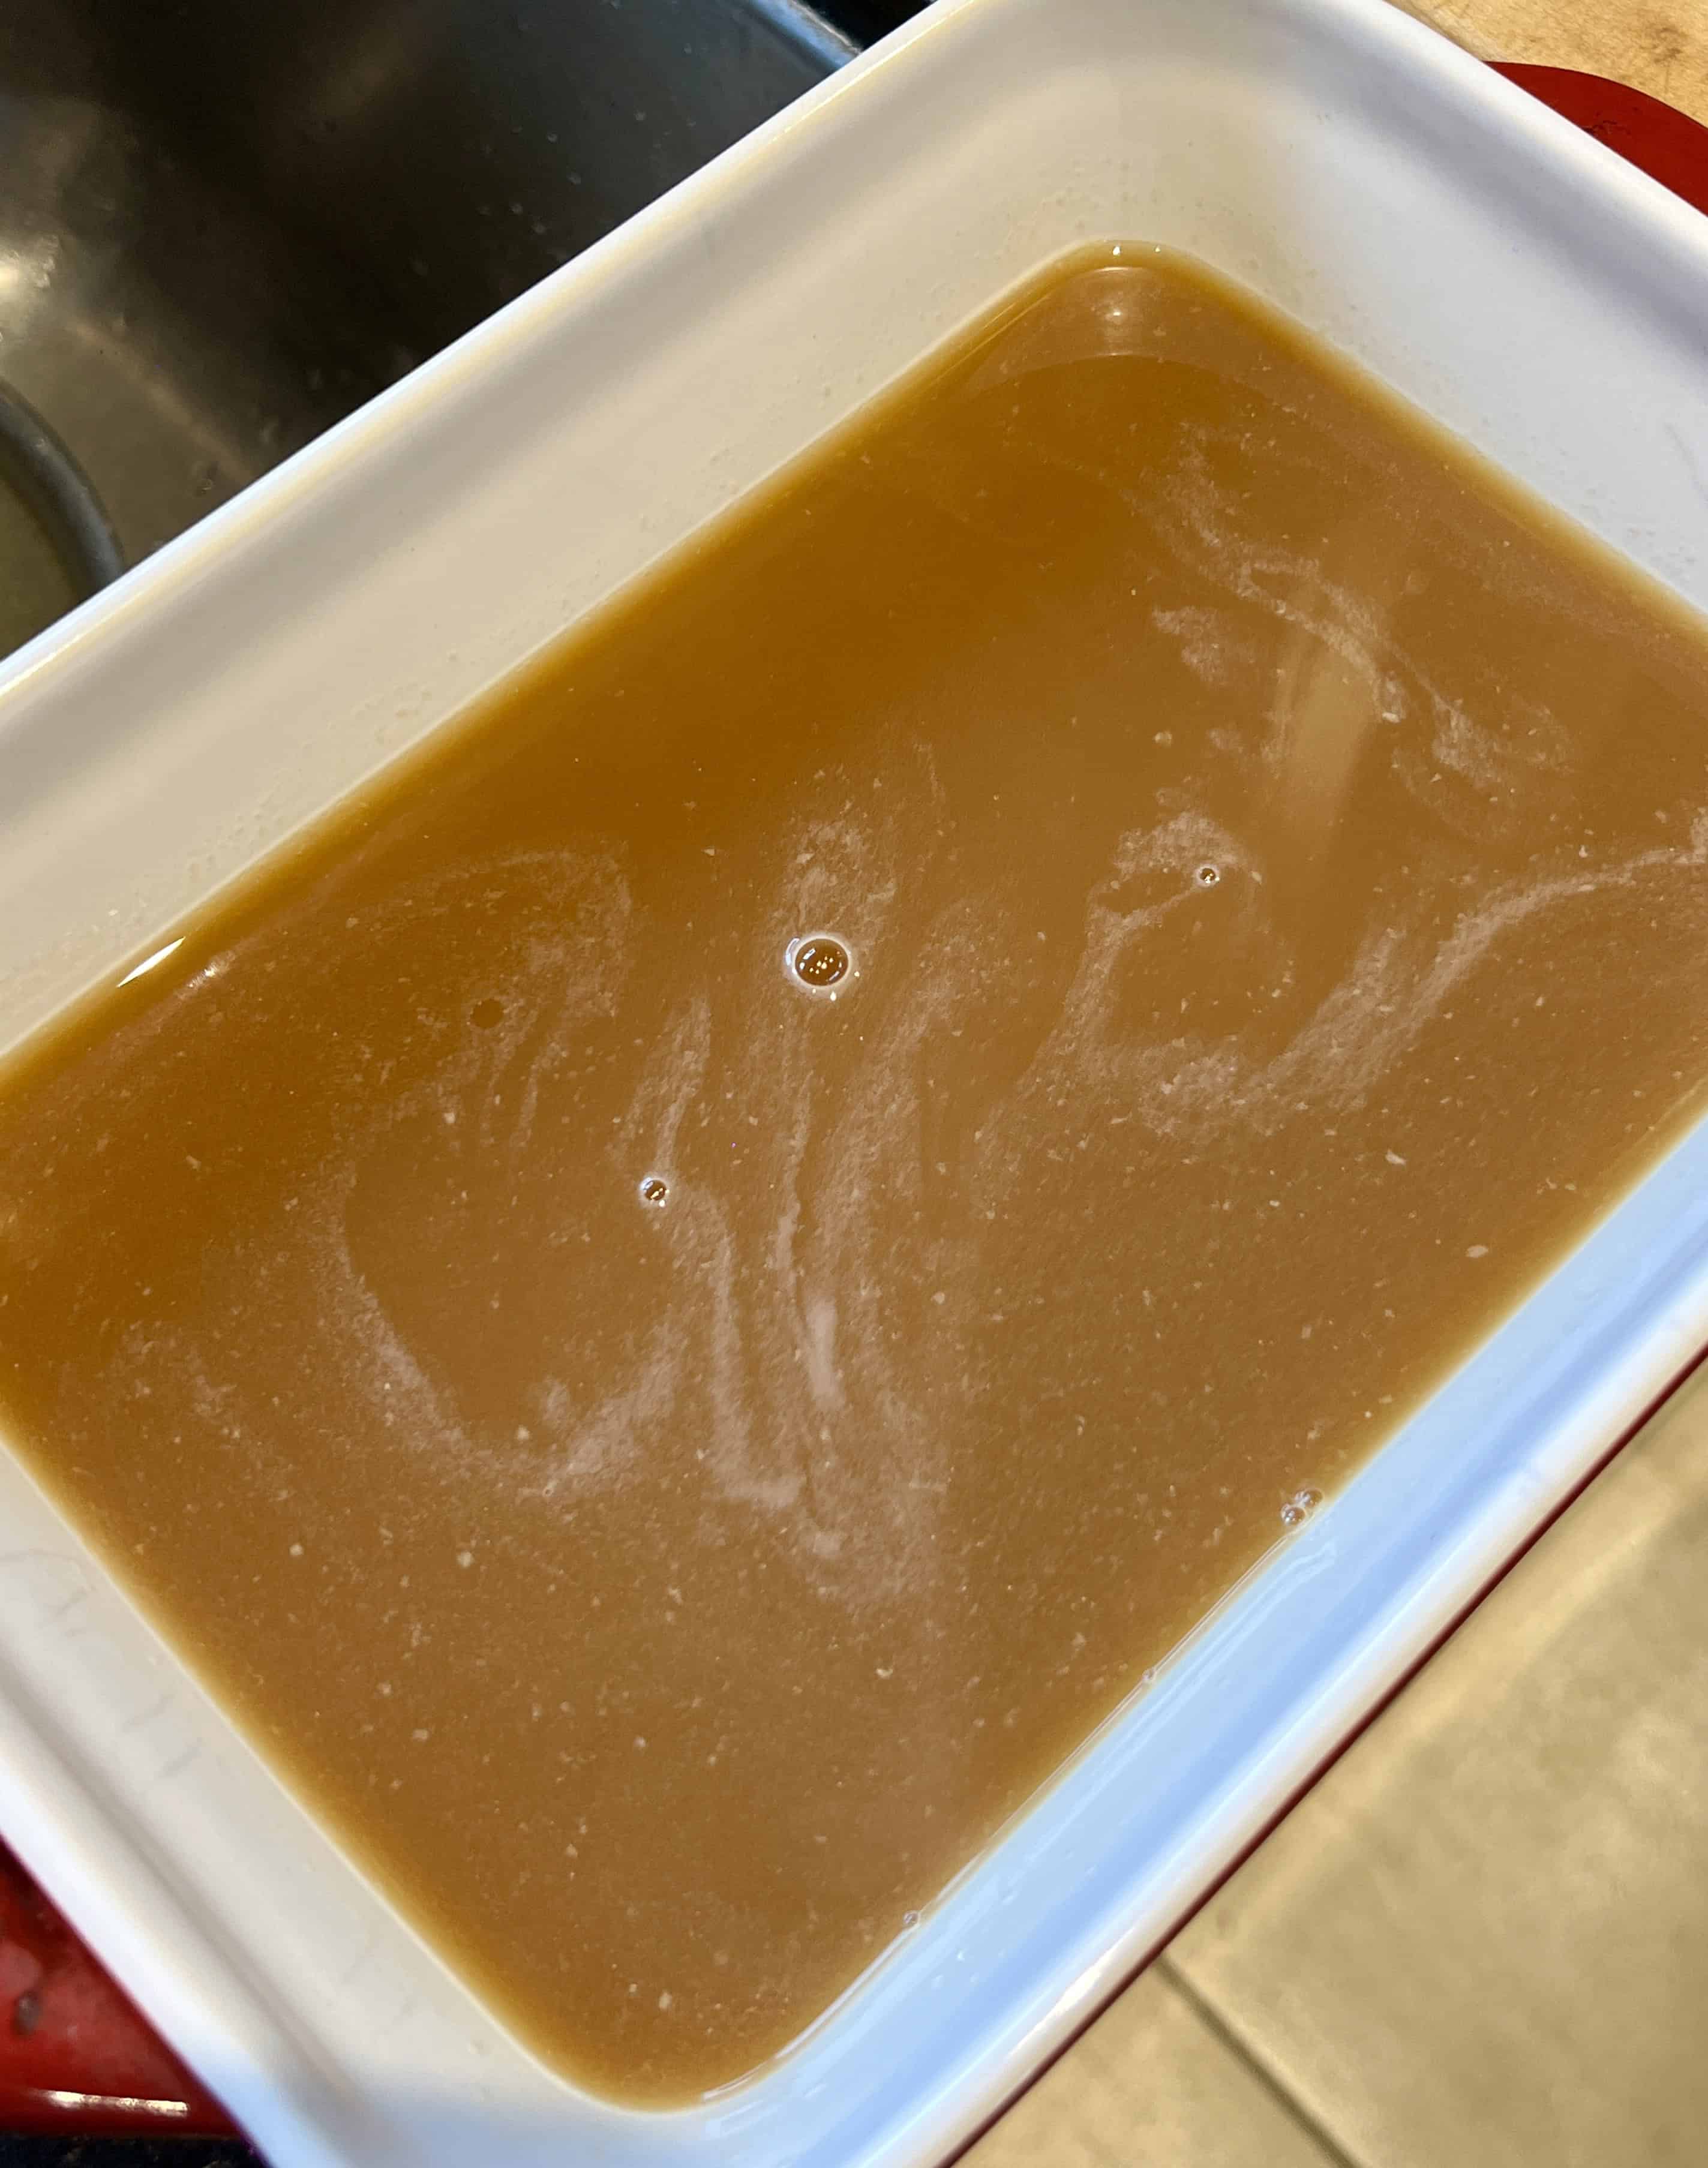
[(675, 1306)]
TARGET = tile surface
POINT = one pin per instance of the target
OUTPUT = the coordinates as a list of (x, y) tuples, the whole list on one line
[(1151, 2086), (1659, 45), (1484, 1938)]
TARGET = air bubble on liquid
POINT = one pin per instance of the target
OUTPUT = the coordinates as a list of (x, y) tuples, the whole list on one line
[(654, 1190), (822, 963), (910, 1919), (1300, 1507), (1207, 876)]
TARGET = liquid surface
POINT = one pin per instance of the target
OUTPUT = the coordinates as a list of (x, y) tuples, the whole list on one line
[(676, 1307)]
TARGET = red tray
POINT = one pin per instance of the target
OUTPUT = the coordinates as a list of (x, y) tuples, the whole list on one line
[(76, 2055)]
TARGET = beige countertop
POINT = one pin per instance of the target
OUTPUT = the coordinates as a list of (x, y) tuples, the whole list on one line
[(1659, 45), (1483, 1941)]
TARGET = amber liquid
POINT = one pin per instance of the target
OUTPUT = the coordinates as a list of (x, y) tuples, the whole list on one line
[(668, 1435)]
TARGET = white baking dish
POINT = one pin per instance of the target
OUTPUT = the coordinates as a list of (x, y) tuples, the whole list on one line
[(1513, 278)]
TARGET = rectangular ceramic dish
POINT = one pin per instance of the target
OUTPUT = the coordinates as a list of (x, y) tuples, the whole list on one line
[(1515, 280)]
